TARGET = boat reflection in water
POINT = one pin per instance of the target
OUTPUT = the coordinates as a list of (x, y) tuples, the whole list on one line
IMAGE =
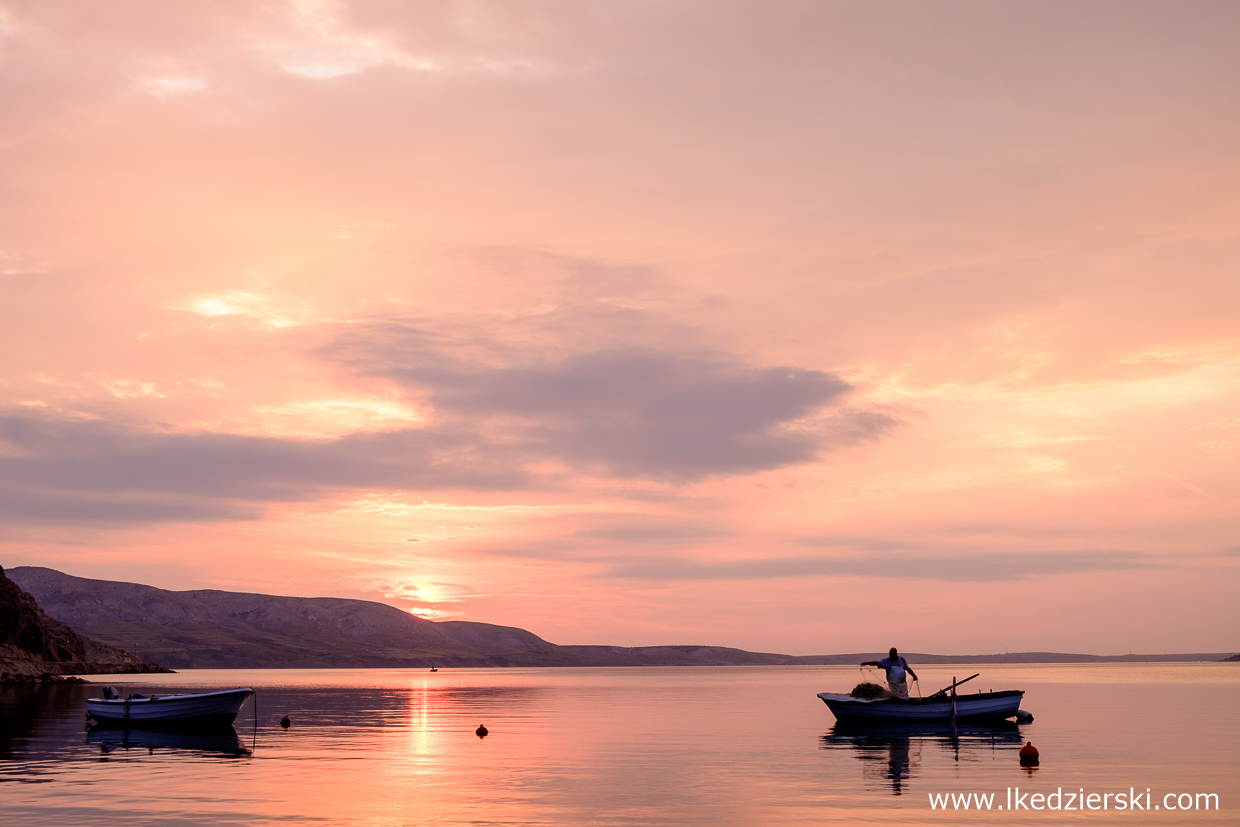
[(221, 741), (891, 752)]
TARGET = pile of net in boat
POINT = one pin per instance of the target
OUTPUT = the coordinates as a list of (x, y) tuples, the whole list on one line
[(869, 690)]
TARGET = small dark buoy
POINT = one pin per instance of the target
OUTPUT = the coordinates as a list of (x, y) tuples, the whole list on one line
[(481, 731), (1023, 717), (1029, 755), (285, 722)]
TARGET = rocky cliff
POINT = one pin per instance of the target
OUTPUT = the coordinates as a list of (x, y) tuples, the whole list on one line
[(31, 643)]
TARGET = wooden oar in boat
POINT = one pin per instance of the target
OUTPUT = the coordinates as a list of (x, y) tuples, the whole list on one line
[(954, 684)]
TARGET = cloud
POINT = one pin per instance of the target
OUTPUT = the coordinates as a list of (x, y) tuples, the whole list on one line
[(640, 414), (58, 468), (628, 412), (861, 543), (323, 46), (555, 394), (21, 505), (639, 529), (954, 568)]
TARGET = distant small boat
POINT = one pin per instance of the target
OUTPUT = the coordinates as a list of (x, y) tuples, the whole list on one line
[(205, 709), (982, 706), (434, 668)]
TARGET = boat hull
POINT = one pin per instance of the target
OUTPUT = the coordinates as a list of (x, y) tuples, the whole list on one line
[(979, 707), (852, 730), (209, 709)]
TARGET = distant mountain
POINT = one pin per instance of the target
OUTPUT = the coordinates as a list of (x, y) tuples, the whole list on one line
[(217, 629), (31, 643)]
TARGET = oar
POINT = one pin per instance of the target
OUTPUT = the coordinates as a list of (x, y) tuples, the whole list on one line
[(956, 683)]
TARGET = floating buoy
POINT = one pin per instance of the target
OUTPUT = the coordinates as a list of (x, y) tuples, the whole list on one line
[(481, 731), (1029, 755), (285, 722), (1023, 717)]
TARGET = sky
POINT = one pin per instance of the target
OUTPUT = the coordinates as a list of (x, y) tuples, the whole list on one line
[(802, 327)]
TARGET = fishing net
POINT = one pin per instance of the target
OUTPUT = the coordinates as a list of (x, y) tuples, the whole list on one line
[(869, 690)]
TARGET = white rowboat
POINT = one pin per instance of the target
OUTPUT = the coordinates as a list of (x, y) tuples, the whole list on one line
[(981, 706), (205, 709)]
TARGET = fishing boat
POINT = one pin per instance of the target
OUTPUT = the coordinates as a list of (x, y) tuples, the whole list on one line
[(941, 706), (982, 706), (204, 709)]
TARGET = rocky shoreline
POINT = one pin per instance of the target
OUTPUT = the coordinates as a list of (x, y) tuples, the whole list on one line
[(8, 679), (35, 648)]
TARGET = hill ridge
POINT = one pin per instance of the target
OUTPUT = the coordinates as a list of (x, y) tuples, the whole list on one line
[(212, 628)]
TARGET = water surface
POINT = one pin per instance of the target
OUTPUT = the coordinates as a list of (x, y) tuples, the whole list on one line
[(617, 746)]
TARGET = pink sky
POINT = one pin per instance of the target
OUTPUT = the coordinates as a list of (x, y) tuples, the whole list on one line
[(800, 326)]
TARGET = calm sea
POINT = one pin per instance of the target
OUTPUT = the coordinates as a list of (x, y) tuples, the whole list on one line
[(653, 746)]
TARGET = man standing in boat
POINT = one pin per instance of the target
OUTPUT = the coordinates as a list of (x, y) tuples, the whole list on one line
[(896, 667)]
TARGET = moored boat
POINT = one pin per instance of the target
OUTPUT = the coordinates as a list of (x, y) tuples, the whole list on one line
[(203, 709)]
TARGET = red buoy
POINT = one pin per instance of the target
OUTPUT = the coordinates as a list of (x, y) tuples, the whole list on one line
[(1029, 755)]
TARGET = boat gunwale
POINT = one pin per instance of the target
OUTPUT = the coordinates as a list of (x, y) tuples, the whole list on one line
[(160, 698), (932, 699)]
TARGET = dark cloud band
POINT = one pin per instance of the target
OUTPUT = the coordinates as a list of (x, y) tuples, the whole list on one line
[(957, 568), (626, 414)]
